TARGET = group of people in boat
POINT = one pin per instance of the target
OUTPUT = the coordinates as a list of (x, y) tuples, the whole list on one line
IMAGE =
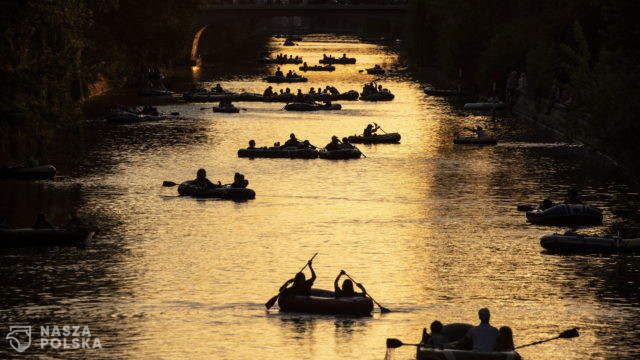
[(290, 75), (481, 338), (284, 57), (372, 88), (332, 90), (337, 144), (216, 89), (330, 57), (300, 286), (573, 197), (201, 181), (146, 110)]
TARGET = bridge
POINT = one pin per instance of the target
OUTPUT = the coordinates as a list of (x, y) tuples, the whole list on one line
[(305, 16)]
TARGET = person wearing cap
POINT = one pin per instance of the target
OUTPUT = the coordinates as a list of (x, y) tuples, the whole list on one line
[(480, 338)]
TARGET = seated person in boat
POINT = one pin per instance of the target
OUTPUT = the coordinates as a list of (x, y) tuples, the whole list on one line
[(300, 96), (324, 56), (327, 104), (347, 287), (435, 339), (573, 197), (346, 144), (480, 133), (333, 90), (344, 56), (279, 72), (202, 181), (42, 222), (268, 91), (304, 64), (301, 286), (225, 103), (307, 145), (290, 74), (239, 181), (218, 88), (312, 91), (505, 339), (481, 338), (377, 67), (252, 144), (292, 142), (546, 204), (286, 91), (334, 144), (370, 130)]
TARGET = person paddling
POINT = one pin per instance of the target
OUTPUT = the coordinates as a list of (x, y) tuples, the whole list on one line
[(480, 133), (300, 285), (347, 287), (370, 130)]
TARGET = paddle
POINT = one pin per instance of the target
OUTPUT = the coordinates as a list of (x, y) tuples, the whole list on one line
[(273, 300), (567, 334), (395, 343), (355, 147), (378, 126), (382, 308), (525, 207)]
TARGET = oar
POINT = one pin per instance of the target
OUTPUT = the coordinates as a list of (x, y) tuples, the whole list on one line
[(379, 128), (567, 334), (355, 147), (395, 343), (273, 300), (525, 207), (382, 308)]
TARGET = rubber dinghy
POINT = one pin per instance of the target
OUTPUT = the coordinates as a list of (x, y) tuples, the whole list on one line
[(440, 92), (281, 61), (340, 154), (21, 238), (317, 68), (311, 107), (284, 79), (375, 71), (226, 109), (484, 106), (188, 188), (378, 96), (342, 61), (487, 140), (578, 243), (125, 117), (324, 302), (390, 138), (28, 173), (287, 152), (347, 95), (566, 214)]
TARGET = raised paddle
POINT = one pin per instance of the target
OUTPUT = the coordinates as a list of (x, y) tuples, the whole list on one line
[(567, 334), (382, 308), (378, 126), (273, 300)]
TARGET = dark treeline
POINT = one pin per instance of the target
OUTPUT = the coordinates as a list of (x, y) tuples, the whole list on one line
[(50, 50), (588, 48)]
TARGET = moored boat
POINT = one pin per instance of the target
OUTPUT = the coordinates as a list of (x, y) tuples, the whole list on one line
[(297, 106), (21, 238), (389, 138), (286, 152), (440, 92), (340, 154), (378, 96), (486, 140), (226, 109), (578, 243), (28, 172), (324, 302), (566, 214), (125, 117), (188, 188), (284, 79), (154, 92)]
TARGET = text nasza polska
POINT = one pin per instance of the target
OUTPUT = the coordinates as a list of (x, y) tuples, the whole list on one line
[(68, 337)]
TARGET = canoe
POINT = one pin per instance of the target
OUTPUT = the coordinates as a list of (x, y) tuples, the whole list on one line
[(311, 107), (125, 117), (488, 140), (440, 92), (378, 96), (187, 188), (338, 61), (324, 302), (20, 238), (347, 95), (28, 173), (566, 214), (267, 60), (317, 68), (340, 154), (484, 106), (154, 92), (287, 152), (284, 79), (579, 243), (428, 353), (226, 109), (389, 138), (375, 71)]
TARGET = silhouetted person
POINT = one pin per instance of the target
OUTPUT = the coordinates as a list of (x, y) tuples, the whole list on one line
[(42, 222), (347, 287), (252, 144), (268, 91), (292, 142), (239, 181), (301, 286), (482, 337), (435, 339), (218, 88), (505, 339), (334, 144), (573, 197), (370, 130), (202, 181), (279, 72), (346, 144)]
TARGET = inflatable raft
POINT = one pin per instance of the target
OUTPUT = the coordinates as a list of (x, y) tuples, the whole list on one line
[(317, 68), (125, 117), (20, 238), (484, 106), (28, 173), (350, 95), (342, 61), (375, 71), (284, 79), (226, 109), (324, 302), (187, 188), (287, 152), (389, 138), (440, 92), (340, 154), (487, 140), (566, 214), (311, 107), (282, 61), (578, 243), (154, 92), (378, 96)]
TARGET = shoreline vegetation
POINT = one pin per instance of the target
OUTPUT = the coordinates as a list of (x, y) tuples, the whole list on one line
[(578, 55)]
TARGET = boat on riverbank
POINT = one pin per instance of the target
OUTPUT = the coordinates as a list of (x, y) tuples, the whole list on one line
[(28, 237), (324, 302), (42, 172)]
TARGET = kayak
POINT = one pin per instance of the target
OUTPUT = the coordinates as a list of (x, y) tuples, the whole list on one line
[(566, 214), (154, 92), (311, 107), (488, 140), (375, 71), (338, 61), (282, 61), (125, 117), (440, 92), (287, 152), (484, 106), (187, 188), (284, 79), (389, 138), (317, 68), (348, 95), (226, 109), (20, 238), (340, 154), (28, 173), (378, 96), (578, 243), (324, 302)]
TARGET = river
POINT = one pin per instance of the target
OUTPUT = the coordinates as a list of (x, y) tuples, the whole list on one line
[(431, 229)]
